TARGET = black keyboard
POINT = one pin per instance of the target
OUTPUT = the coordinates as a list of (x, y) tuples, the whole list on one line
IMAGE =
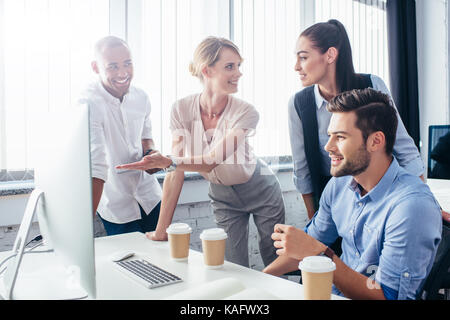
[(147, 273)]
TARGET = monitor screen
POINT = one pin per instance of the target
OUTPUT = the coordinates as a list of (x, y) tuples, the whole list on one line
[(63, 205)]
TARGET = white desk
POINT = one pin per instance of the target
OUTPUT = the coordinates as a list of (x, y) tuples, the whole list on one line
[(112, 284), (441, 191)]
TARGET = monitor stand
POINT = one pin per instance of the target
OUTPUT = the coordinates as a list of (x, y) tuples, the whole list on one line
[(51, 281)]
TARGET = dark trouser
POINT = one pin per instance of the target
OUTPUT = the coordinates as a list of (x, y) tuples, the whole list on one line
[(147, 223), (336, 246)]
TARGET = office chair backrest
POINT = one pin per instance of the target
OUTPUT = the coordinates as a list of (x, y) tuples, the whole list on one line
[(439, 277), (434, 133)]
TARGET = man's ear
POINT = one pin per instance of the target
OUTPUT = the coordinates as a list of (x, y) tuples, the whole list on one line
[(94, 67), (332, 55), (376, 141)]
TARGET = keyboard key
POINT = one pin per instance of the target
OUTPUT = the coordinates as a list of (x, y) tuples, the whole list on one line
[(147, 273)]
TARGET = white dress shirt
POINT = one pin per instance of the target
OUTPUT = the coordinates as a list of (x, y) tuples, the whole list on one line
[(116, 133), (405, 151)]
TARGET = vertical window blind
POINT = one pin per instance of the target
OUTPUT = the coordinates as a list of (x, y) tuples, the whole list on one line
[(46, 47), (266, 32), (166, 38), (46, 51)]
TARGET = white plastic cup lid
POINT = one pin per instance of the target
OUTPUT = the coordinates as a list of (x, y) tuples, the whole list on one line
[(213, 234), (179, 228), (317, 264)]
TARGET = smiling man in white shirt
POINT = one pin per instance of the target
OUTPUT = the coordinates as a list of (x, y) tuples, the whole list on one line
[(120, 131)]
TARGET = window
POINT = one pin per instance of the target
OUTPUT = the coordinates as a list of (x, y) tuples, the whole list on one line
[(45, 59), (266, 32), (163, 37), (46, 48), (365, 22)]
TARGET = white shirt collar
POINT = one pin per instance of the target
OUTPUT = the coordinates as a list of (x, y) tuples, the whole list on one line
[(319, 99), (108, 96)]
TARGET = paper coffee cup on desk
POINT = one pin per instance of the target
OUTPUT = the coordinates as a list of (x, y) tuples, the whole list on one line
[(213, 244), (179, 237), (317, 277)]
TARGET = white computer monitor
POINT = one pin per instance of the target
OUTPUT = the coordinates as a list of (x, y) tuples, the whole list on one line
[(63, 202)]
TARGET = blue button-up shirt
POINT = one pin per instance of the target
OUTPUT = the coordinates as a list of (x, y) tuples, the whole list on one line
[(404, 148), (390, 234)]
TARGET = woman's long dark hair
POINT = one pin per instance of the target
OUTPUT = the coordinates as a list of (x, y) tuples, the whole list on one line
[(332, 33)]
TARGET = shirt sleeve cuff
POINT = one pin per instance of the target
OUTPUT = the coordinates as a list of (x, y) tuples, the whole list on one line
[(303, 186), (100, 173)]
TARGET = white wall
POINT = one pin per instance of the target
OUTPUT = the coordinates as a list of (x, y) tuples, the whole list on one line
[(433, 66)]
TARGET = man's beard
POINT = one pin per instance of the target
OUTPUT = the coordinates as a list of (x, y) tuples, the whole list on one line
[(353, 166)]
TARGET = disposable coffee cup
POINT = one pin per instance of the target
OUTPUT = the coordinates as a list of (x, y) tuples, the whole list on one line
[(317, 277), (179, 237), (213, 244)]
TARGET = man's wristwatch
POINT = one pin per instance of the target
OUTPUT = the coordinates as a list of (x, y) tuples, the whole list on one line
[(172, 166), (146, 153), (327, 253)]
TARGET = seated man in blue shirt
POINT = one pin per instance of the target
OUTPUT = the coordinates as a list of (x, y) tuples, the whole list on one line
[(389, 220)]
